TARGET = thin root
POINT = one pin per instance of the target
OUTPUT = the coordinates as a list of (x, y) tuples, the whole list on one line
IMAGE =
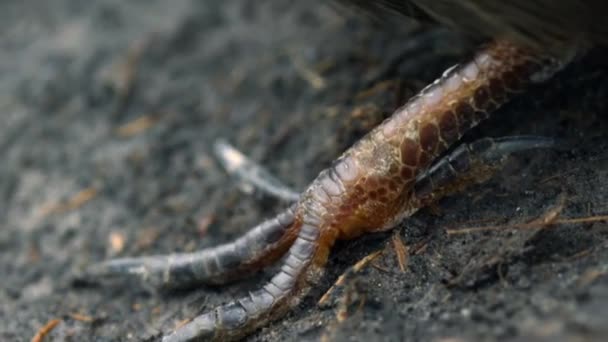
[(45, 330), (401, 251), (346, 276), (530, 225)]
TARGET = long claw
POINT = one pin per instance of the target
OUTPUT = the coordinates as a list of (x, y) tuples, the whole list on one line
[(474, 163), (252, 174)]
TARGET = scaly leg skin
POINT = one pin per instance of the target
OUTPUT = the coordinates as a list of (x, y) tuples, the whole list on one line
[(370, 187), (262, 245), (259, 247), (467, 164)]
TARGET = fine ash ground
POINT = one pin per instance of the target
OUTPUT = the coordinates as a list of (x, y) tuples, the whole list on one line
[(97, 164)]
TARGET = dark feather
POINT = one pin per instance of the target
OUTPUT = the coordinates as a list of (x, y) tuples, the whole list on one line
[(545, 24)]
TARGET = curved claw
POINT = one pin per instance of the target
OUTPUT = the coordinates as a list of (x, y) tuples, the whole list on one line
[(251, 173), (474, 163), (488, 150)]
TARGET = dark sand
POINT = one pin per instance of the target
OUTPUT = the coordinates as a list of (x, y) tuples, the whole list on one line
[(291, 84)]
